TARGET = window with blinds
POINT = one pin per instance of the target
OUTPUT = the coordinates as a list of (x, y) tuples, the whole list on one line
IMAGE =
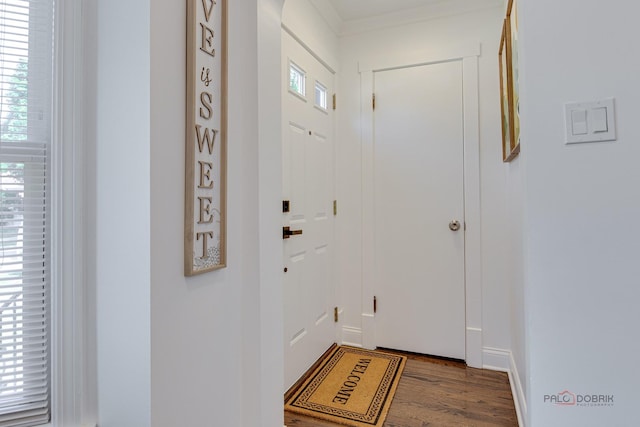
[(26, 32)]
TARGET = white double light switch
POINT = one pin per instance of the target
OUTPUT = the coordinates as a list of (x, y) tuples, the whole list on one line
[(590, 121)]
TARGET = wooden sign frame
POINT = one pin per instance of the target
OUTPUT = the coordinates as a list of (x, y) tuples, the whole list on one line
[(206, 137)]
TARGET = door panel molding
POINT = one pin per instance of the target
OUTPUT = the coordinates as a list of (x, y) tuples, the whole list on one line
[(473, 261)]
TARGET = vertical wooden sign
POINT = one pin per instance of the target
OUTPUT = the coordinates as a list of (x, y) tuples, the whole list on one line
[(206, 137)]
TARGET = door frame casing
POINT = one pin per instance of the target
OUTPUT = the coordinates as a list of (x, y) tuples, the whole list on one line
[(468, 55)]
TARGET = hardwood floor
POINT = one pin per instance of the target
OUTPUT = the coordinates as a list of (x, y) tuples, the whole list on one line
[(436, 392)]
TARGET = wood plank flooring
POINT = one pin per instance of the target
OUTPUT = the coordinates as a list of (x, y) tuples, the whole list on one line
[(441, 393)]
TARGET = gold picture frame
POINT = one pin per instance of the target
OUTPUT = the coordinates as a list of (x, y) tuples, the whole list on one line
[(205, 137), (505, 91), (509, 89), (512, 17)]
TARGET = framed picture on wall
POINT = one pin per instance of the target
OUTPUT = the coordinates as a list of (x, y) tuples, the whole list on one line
[(206, 137), (505, 95), (512, 17)]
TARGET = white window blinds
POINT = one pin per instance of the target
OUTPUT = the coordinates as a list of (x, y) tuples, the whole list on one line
[(26, 32)]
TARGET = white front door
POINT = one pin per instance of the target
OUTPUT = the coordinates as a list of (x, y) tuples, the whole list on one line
[(308, 188), (418, 192)]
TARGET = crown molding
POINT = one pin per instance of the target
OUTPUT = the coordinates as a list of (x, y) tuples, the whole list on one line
[(408, 16)]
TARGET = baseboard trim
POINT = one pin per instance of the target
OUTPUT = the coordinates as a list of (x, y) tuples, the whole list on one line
[(518, 393), (496, 359)]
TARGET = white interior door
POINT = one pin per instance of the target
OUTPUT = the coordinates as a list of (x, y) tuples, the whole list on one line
[(308, 186), (418, 191)]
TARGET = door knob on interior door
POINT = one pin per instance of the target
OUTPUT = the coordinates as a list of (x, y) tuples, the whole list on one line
[(288, 232), (454, 225)]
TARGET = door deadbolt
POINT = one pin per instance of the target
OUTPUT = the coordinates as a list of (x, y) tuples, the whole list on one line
[(454, 225)]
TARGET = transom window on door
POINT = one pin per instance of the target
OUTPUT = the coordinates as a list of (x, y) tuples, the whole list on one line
[(321, 96), (26, 28), (297, 79)]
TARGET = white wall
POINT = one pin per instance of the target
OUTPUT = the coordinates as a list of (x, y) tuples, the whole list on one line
[(433, 36), (194, 350), (513, 261), (213, 346), (122, 233), (269, 321), (176, 351), (581, 208), (302, 19)]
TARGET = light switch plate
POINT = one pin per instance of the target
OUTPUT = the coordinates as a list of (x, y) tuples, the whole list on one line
[(600, 121)]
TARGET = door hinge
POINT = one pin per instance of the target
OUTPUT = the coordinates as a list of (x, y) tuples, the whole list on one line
[(375, 305), (335, 207), (374, 101), (335, 314), (334, 101)]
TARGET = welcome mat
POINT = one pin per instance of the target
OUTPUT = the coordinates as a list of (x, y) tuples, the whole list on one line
[(353, 387)]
